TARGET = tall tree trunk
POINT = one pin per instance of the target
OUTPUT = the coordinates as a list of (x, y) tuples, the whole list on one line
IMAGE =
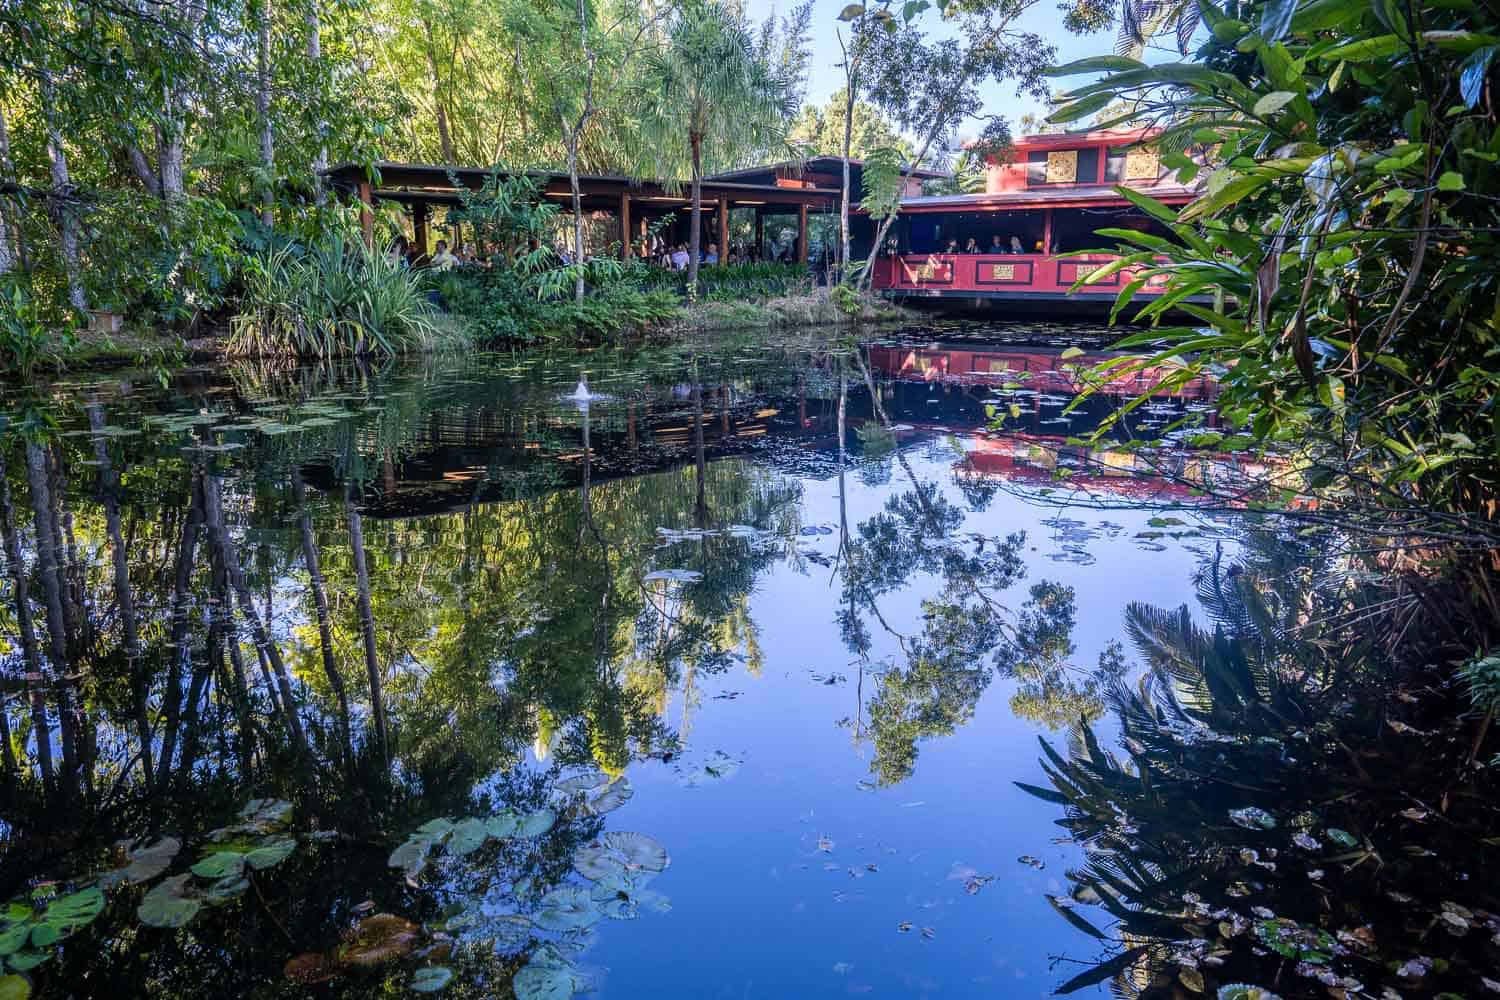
[(367, 621), (9, 246), (49, 570), (695, 228), (315, 60), (320, 602), (578, 288), (445, 137), (177, 645), (36, 673), (263, 108), (845, 194), (700, 460), (214, 513), (62, 195), (124, 596)]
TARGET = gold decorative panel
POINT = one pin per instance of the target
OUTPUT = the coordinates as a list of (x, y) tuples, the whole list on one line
[(1002, 272), (1142, 165), (1062, 167)]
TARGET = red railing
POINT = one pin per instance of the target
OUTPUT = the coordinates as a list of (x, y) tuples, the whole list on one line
[(999, 274)]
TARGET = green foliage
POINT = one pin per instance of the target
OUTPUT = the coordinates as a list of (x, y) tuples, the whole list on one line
[(334, 298), (1482, 677), (29, 330), (1347, 229), (725, 282)]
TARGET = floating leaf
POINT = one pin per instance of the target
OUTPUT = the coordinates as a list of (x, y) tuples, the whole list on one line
[(71, 912), (1240, 991), (45, 936), (378, 939), (431, 979), (14, 988), (546, 977), (719, 767), (25, 961), (146, 861), (221, 864), (567, 908), (309, 968), (675, 575), (502, 824), (266, 814), (1253, 818), (467, 837), (620, 851), (410, 857), (270, 855), (13, 938), (167, 904), (1342, 837), (582, 782), (535, 824), (508, 930), (225, 889), (613, 797)]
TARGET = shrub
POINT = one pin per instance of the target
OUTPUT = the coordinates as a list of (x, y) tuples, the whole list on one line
[(336, 298), (726, 282), (27, 327)]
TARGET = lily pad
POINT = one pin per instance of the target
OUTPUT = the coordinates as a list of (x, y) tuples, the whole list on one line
[(25, 961), (309, 968), (620, 851), (271, 854), (225, 889), (410, 857), (1253, 818), (377, 939), (582, 782), (568, 908), (220, 864), (168, 903), (14, 988), (546, 977), (508, 930), (13, 938), (431, 979), (68, 913), (1241, 991), (1342, 837), (675, 575), (535, 824), (267, 814), (720, 766), (146, 861), (502, 824), (613, 797), (435, 829), (467, 836)]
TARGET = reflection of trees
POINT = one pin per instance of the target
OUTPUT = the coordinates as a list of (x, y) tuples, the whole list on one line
[(1277, 812)]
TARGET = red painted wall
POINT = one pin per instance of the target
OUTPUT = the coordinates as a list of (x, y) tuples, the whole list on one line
[(1004, 273)]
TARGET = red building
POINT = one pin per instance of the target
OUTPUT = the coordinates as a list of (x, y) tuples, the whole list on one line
[(1045, 196)]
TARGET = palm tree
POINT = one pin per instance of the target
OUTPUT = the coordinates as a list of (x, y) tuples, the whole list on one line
[(709, 84), (1143, 20)]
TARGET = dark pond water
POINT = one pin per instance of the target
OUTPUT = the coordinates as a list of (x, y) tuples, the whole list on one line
[(715, 686)]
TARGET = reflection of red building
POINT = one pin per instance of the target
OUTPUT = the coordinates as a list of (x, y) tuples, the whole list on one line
[(1048, 195), (1040, 369)]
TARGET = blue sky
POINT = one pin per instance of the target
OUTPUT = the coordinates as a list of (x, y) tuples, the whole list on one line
[(1045, 19)]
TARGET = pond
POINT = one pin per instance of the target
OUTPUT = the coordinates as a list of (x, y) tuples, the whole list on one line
[(717, 683)]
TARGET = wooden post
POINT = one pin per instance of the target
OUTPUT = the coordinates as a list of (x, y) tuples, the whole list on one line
[(760, 233), (802, 233), (419, 213), (1047, 230), (723, 230), (367, 214), (624, 226)]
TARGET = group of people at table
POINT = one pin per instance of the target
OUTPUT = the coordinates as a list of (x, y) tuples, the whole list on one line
[(1014, 245)]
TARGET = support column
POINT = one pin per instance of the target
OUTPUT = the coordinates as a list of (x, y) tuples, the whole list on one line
[(367, 214), (625, 233), (760, 233), (802, 233), (419, 215), (723, 230), (1047, 230)]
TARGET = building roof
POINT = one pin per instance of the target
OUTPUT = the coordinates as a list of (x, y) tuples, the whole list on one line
[(1081, 196), (817, 165)]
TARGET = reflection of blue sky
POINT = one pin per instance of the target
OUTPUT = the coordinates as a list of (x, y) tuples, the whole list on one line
[(754, 912)]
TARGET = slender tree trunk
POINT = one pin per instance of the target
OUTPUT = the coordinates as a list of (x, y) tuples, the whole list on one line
[(263, 108), (695, 228), (49, 570), (851, 77), (700, 460), (177, 645), (367, 621), (141, 167), (124, 595), (36, 673), (315, 60), (62, 195), (214, 512), (320, 602), (578, 288), (9, 254), (445, 137)]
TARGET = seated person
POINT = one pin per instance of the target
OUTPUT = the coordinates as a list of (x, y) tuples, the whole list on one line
[(972, 246), (712, 256), (1015, 245), (679, 258), (443, 260), (995, 245), (952, 247)]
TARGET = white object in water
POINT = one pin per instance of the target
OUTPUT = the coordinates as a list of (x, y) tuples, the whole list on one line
[(582, 392)]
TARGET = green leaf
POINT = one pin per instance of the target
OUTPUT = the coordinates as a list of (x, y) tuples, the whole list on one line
[(1366, 49), (225, 890), (45, 936), (270, 855), (568, 908), (1230, 194), (25, 961), (1276, 18), (1273, 102), (1046, 794), (222, 864), (431, 979), (535, 824), (14, 937), (1071, 353), (167, 904), (1147, 204), (1451, 181), (467, 837), (852, 11), (1094, 64), (68, 913), (14, 988), (1080, 109)]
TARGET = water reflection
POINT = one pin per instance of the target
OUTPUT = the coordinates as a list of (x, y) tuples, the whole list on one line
[(440, 593)]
